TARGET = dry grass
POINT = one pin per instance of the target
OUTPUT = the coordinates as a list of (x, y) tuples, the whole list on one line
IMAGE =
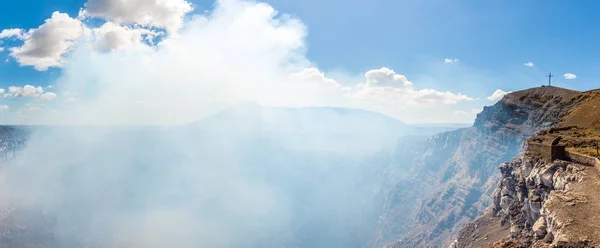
[(586, 151), (580, 140), (585, 114)]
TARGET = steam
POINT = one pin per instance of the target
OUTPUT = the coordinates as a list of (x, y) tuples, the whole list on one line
[(160, 187), (174, 184), (242, 51), (103, 184)]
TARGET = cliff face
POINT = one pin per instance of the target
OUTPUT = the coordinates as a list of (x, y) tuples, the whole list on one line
[(537, 204), (455, 173)]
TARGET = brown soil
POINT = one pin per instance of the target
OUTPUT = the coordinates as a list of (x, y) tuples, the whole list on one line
[(580, 208), (585, 114)]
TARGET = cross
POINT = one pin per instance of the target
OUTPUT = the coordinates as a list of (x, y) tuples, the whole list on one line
[(550, 76)]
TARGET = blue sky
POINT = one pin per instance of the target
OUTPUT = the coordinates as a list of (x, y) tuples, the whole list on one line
[(491, 41)]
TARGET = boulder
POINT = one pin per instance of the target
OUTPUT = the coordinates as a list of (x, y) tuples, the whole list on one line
[(539, 228), (560, 180)]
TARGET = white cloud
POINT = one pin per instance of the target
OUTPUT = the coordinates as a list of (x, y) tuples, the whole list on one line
[(386, 77), (48, 96), (461, 112), (529, 64), (409, 97), (386, 87), (1, 49), (314, 77), (70, 99), (12, 33), (111, 36), (450, 61), (45, 46), (4, 107), (570, 76), (167, 14), (25, 91), (498, 95)]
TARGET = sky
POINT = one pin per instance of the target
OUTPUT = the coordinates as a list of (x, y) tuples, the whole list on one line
[(419, 61)]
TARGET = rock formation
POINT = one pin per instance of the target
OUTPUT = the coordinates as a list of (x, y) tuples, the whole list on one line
[(543, 203), (537, 204), (454, 175)]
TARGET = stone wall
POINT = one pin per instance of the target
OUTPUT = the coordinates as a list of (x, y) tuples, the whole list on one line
[(547, 151), (582, 159)]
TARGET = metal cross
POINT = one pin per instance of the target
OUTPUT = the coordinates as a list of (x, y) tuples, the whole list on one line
[(550, 76)]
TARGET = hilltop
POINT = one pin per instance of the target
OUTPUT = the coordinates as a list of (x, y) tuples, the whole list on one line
[(579, 128)]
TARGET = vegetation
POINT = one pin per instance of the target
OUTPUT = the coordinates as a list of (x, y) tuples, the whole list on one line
[(586, 151)]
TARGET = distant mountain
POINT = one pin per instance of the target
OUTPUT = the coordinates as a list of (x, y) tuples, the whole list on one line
[(324, 129)]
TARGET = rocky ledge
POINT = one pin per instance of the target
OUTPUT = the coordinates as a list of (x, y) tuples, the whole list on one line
[(539, 204)]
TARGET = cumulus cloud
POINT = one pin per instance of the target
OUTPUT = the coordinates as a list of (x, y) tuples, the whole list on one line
[(570, 76), (4, 107), (48, 96), (111, 36), (529, 64), (28, 91), (498, 95), (48, 45), (12, 33), (386, 87), (386, 77), (451, 61), (167, 14), (25, 91), (315, 77), (45, 46)]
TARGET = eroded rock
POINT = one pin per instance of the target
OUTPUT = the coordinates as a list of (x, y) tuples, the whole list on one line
[(539, 228)]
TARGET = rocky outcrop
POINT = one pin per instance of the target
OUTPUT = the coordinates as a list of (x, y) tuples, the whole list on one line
[(538, 204)]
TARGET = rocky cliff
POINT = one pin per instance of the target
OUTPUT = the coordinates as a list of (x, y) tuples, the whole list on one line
[(539, 204), (543, 203), (455, 173)]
